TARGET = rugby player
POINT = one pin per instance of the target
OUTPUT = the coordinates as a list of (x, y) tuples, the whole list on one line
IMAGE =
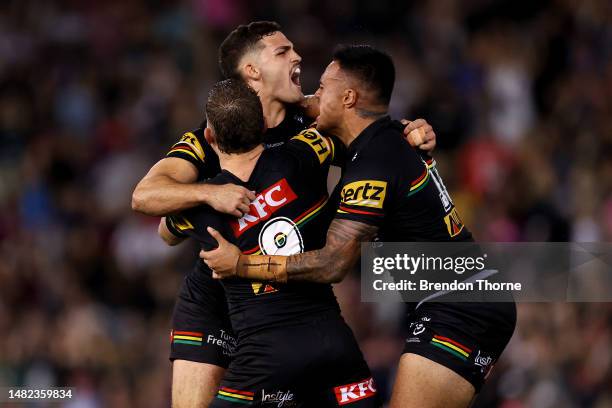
[(390, 191), (261, 55), (294, 348)]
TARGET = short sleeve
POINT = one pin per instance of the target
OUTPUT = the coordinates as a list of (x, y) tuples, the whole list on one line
[(193, 223), (363, 197), (311, 149), (190, 147)]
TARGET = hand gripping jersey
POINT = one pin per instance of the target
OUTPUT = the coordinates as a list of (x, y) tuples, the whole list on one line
[(193, 147), (292, 341), (386, 183), (288, 216), (201, 330)]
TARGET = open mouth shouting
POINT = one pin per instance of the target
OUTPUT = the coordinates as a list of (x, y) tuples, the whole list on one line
[(295, 76)]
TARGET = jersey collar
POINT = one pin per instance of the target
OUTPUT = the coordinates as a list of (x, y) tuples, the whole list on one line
[(366, 134)]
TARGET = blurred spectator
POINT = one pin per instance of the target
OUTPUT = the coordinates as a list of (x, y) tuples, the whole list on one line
[(92, 94)]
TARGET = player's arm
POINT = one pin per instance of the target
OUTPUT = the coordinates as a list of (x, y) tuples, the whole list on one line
[(168, 236), (191, 223), (360, 213), (312, 151), (327, 265), (170, 187)]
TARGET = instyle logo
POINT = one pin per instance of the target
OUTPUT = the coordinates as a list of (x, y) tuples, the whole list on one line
[(265, 204), (280, 398)]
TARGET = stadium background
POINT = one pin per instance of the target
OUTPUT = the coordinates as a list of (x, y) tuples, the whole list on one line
[(93, 93)]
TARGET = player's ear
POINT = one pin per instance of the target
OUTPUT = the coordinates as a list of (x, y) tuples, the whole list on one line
[(209, 136), (251, 72), (349, 98)]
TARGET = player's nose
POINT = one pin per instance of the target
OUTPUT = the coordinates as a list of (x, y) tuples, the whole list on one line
[(296, 57)]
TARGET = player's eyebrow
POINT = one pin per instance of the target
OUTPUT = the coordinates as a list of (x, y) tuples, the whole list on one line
[(283, 48)]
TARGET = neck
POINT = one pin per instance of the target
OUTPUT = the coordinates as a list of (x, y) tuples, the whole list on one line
[(354, 125), (273, 110), (240, 165)]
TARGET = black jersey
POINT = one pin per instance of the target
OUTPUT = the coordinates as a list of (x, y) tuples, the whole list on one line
[(388, 184), (193, 147), (288, 216)]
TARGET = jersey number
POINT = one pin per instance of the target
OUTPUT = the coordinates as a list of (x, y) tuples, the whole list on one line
[(447, 203)]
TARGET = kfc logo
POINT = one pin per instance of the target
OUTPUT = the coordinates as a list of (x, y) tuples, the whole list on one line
[(346, 394), (265, 204)]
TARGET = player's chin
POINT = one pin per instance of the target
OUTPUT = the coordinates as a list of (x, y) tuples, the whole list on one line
[(293, 94)]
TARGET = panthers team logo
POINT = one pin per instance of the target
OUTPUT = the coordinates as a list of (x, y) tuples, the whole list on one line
[(281, 236)]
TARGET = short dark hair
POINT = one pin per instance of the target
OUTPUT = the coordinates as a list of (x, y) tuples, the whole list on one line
[(239, 42), (372, 67), (235, 114)]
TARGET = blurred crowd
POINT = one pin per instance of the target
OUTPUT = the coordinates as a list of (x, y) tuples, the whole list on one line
[(93, 93)]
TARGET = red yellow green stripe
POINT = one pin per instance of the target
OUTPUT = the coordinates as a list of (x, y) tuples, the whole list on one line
[(310, 213), (451, 346), (232, 395), (234, 391), (456, 343), (187, 337), (300, 221), (418, 184), (231, 399), (344, 210)]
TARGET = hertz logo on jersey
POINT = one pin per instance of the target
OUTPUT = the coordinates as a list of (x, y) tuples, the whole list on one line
[(365, 193), (316, 142)]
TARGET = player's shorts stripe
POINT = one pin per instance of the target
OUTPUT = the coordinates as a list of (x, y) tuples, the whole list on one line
[(233, 391), (449, 347), (238, 396), (191, 343), (456, 343), (188, 333), (453, 352), (353, 211), (188, 338), (236, 400)]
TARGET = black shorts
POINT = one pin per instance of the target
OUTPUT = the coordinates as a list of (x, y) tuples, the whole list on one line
[(468, 338), (308, 364), (201, 330)]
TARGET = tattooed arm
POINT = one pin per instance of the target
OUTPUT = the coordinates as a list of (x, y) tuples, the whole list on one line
[(331, 263), (327, 265)]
